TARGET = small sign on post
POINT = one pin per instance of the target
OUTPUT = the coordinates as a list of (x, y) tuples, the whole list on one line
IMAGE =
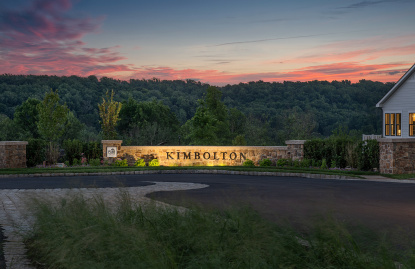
[(112, 152)]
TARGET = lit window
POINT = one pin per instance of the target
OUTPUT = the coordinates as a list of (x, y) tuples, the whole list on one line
[(393, 124), (411, 124), (387, 124)]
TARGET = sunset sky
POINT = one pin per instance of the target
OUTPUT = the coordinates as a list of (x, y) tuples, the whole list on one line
[(217, 42)]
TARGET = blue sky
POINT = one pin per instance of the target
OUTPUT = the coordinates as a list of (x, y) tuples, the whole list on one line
[(217, 42)]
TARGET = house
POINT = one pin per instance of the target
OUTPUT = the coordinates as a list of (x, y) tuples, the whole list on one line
[(398, 107), (397, 145)]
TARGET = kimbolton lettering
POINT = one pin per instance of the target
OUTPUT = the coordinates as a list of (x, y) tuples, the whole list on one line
[(206, 155)]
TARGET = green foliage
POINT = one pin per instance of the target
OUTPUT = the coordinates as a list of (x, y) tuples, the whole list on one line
[(92, 150), (239, 140), (283, 162), (323, 164), (306, 163), (265, 162), (369, 157), (147, 123), (80, 233), (122, 163), (67, 163), (248, 162), (76, 161), (52, 117), (210, 124), (140, 162), (267, 105), (35, 151), (95, 162), (109, 113), (73, 127), (73, 149), (9, 130), (342, 150), (26, 116), (154, 162)]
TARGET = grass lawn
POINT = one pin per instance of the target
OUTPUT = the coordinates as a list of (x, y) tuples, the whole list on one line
[(81, 234)]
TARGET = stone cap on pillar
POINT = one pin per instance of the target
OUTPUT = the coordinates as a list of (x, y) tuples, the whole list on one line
[(10, 143)]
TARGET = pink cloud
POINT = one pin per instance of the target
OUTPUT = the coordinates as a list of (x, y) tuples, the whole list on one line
[(352, 71), (43, 39)]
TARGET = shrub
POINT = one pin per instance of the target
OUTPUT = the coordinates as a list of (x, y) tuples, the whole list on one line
[(35, 151), (306, 163), (92, 150), (120, 162), (248, 162), (323, 164), (296, 163), (75, 161), (73, 149), (154, 162), (283, 162), (369, 155), (140, 162), (66, 163), (265, 162), (95, 162)]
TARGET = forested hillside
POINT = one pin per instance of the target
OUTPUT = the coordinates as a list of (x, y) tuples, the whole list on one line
[(271, 112)]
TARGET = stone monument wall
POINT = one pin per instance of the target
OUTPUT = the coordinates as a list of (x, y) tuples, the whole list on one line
[(13, 154), (202, 155)]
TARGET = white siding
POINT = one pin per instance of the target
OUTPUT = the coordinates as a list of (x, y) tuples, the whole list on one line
[(402, 101)]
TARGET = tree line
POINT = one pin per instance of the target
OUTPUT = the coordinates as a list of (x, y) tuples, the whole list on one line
[(190, 112)]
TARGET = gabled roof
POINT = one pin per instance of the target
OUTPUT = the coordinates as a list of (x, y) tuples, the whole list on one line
[(397, 85)]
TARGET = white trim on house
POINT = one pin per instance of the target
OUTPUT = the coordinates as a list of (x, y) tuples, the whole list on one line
[(397, 85)]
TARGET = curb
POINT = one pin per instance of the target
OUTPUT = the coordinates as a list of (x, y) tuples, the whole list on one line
[(223, 172)]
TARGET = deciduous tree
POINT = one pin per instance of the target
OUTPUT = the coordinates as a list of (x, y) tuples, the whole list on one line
[(52, 117), (109, 113)]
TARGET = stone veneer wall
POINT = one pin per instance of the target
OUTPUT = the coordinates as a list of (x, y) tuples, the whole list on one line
[(13, 154), (204, 155), (397, 156)]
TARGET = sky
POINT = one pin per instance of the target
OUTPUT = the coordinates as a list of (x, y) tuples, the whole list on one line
[(217, 41)]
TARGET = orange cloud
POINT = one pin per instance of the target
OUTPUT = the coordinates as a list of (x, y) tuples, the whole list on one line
[(352, 71)]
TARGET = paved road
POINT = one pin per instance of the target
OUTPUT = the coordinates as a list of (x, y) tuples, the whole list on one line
[(382, 206)]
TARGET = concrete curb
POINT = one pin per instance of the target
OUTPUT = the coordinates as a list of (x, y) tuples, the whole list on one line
[(223, 172)]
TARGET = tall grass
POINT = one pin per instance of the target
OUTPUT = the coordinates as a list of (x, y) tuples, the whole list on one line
[(84, 234)]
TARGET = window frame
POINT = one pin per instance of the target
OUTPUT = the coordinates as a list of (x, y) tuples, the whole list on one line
[(393, 123)]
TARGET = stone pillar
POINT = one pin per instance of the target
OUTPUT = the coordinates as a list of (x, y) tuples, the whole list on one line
[(295, 149), (111, 149), (397, 155), (13, 154)]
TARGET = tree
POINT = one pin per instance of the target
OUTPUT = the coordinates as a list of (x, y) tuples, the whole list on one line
[(73, 127), (51, 124), (9, 130), (210, 122), (108, 112), (26, 116), (52, 117), (204, 127), (147, 123)]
